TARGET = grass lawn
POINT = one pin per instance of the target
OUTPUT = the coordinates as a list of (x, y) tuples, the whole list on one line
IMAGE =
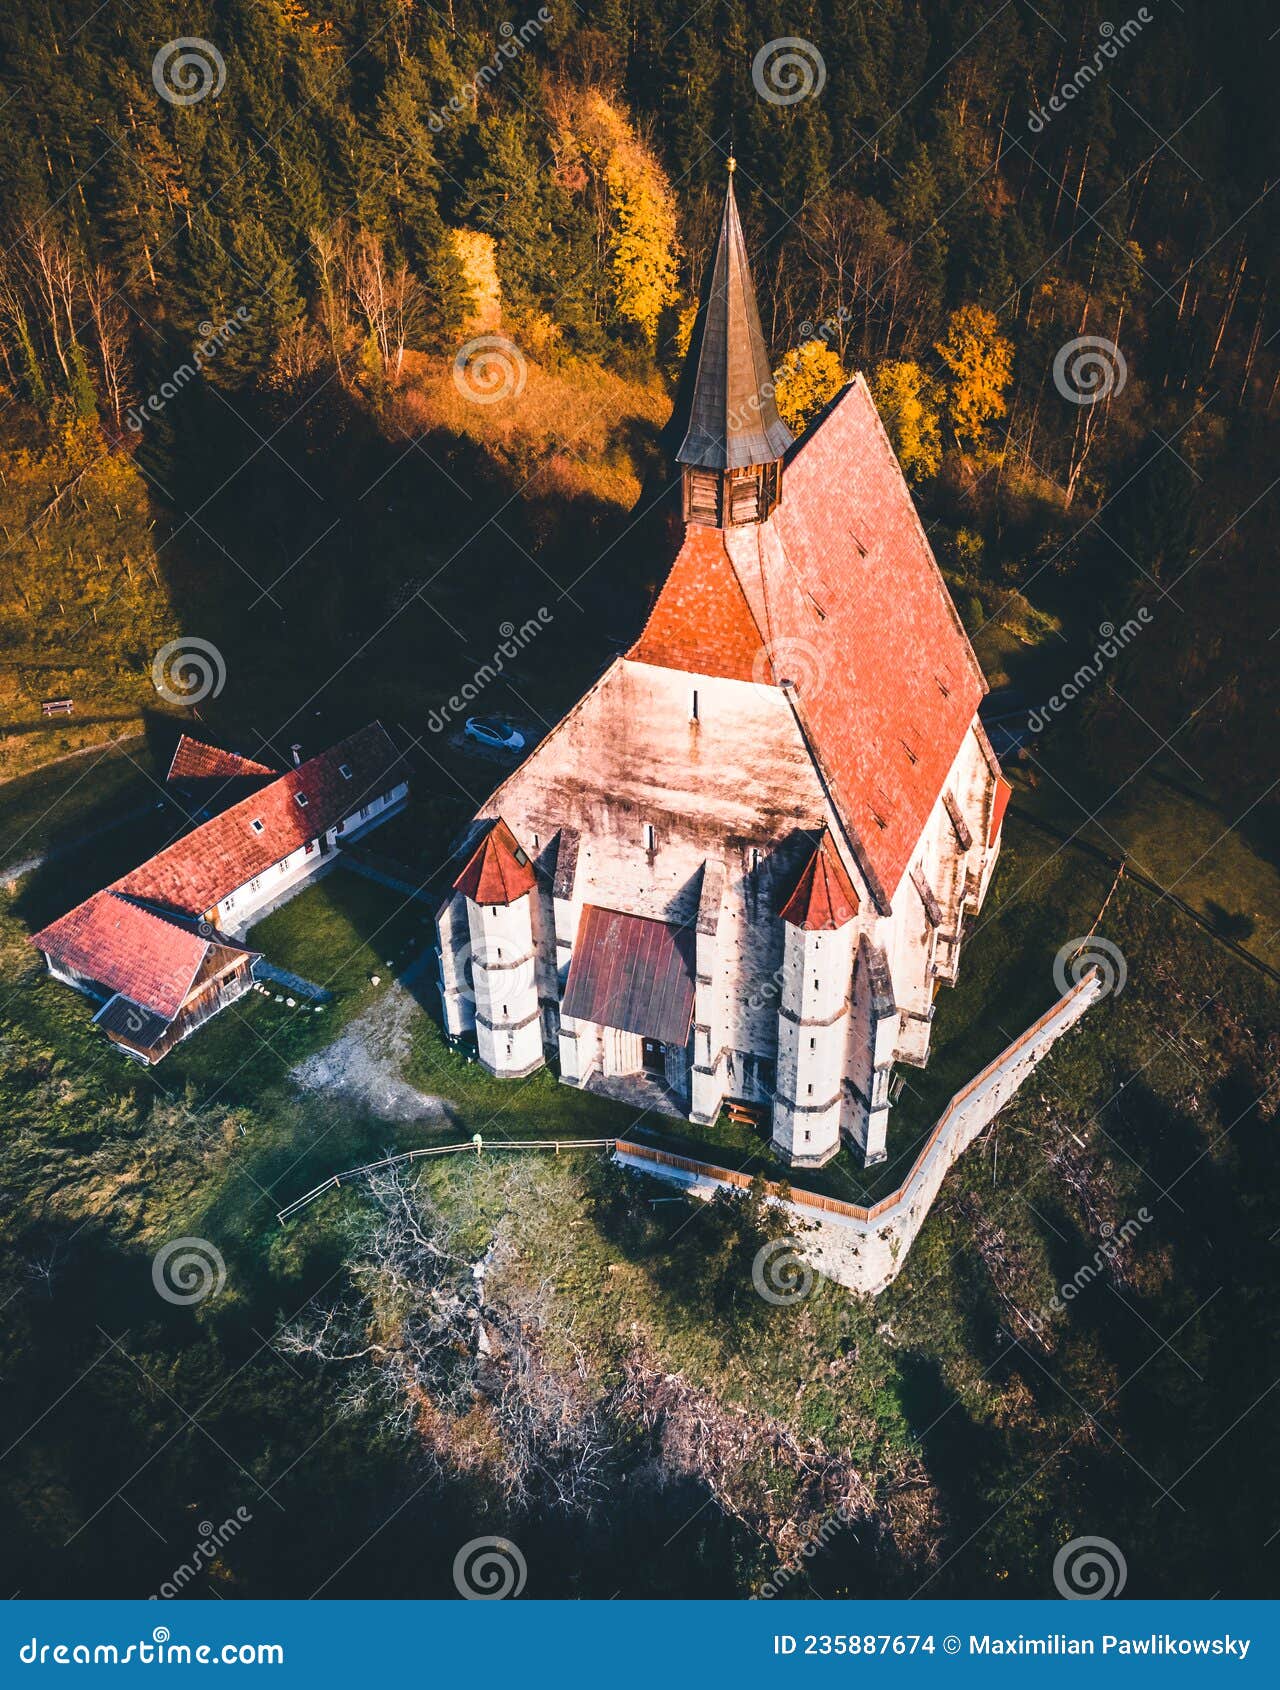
[(56, 804), (1180, 837)]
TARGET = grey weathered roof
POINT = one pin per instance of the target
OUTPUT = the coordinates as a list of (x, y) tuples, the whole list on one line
[(632, 973), (724, 415)]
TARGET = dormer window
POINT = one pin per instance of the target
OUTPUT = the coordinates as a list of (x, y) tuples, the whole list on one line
[(256, 825)]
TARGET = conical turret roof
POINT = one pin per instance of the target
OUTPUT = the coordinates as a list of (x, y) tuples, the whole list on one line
[(724, 416)]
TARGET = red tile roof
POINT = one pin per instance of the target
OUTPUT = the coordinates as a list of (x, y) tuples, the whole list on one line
[(498, 870), (1003, 793), (824, 898), (632, 973), (131, 950), (198, 871), (701, 621), (194, 760), (844, 585)]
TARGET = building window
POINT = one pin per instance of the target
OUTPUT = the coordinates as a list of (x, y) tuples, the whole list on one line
[(806, 1138), (300, 799), (753, 858), (344, 770), (650, 837), (255, 885), (256, 825), (693, 705), (813, 1044)]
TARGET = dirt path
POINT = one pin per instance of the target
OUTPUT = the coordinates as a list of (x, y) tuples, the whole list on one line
[(366, 1061)]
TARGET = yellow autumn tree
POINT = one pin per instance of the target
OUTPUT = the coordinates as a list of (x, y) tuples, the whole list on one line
[(910, 404), (804, 381), (979, 361), (640, 220)]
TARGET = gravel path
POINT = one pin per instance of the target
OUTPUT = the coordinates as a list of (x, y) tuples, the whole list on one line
[(365, 1062)]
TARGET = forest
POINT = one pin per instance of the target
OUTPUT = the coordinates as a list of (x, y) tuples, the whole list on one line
[(341, 334), (365, 177)]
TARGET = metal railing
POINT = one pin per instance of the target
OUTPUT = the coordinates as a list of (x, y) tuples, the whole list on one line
[(477, 1147)]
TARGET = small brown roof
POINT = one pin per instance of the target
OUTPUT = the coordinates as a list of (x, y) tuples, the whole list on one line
[(824, 898), (194, 760), (633, 974), (132, 1024), (498, 871)]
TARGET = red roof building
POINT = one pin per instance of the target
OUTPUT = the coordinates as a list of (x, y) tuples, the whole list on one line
[(151, 943), (802, 674), (196, 873)]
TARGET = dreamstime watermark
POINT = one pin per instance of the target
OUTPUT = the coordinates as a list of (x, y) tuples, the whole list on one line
[(214, 338), (1111, 642), (506, 981), (490, 368), (780, 1273), (792, 662), (212, 1539), (489, 1569), (1112, 42), (513, 43), (155, 1650), (1115, 1241), (187, 1270), (1088, 1569), (830, 1528), (787, 70), (1089, 368), (513, 642), (188, 670), (187, 70), (1079, 956)]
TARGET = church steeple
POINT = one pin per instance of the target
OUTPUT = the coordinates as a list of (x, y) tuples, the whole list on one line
[(730, 437)]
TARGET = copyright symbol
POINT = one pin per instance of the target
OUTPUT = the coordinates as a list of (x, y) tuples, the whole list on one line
[(951, 1645)]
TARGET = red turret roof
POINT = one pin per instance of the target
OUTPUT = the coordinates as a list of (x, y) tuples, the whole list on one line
[(842, 584), (824, 898), (498, 870), (194, 760)]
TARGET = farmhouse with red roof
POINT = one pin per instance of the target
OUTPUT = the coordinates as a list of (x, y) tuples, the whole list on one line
[(784, 778), (161, 946)]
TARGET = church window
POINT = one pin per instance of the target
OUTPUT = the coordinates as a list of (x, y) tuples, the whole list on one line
[(806, 1138), (693, 705), (650, 837), (754, 858), (813, 1044)]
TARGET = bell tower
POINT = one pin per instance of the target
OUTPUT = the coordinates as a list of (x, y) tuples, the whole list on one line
[(728, 436)]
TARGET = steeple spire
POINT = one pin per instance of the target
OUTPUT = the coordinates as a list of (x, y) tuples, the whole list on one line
[(730, 439)]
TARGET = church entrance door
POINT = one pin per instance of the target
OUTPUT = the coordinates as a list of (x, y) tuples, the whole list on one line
[(654, 1057)]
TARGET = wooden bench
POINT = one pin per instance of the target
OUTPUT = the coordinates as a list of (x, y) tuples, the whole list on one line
[(57, 707)]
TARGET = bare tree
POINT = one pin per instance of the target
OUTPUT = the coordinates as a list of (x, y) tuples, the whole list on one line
[(462, 1370), (111, 330)]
